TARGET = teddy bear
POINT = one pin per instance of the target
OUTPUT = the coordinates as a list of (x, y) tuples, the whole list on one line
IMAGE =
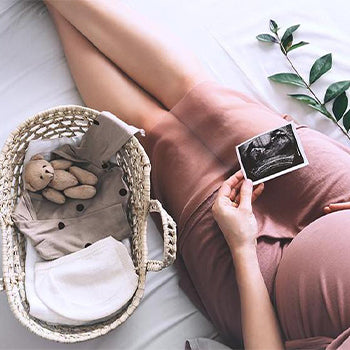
[(58, 179)]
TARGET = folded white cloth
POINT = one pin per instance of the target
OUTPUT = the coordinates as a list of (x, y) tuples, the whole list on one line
[(89, 284)]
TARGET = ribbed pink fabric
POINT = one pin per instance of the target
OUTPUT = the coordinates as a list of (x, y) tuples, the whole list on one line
[(192, 151)]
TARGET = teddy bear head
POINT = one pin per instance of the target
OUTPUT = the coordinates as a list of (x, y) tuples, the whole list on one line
[(37, 173)]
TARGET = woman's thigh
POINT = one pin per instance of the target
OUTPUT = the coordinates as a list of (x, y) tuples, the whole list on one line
[(101, 84), (192, 151), (220, 118), (151, 56), (313, 282)]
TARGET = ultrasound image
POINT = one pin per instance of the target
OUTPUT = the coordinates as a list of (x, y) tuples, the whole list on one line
[(270, 153)]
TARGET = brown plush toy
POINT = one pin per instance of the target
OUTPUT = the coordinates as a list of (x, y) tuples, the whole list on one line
[(58, 179)]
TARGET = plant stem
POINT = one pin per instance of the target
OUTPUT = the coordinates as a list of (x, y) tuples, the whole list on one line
[(341, 129), (285, 53)]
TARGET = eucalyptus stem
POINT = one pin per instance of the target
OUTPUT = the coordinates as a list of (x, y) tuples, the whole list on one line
[(285, 53)]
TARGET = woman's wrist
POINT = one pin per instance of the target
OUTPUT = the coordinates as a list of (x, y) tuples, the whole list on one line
[(246, 263), (245, 253), (245, 250), (245, 246)]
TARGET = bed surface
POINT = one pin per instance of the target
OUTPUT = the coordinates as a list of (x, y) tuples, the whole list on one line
[(34, 76)]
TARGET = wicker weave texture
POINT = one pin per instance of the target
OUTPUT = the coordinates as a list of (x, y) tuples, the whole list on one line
[(72, 121)]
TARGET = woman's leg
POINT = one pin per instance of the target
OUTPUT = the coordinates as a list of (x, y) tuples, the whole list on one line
[(102, 85), (150, 56)]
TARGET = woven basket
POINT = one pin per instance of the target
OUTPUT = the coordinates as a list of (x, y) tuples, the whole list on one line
[(71, 121)]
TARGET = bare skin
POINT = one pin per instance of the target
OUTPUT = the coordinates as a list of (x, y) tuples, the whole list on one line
[(233, 212), (151, 57), (122, 63), (102, 85)]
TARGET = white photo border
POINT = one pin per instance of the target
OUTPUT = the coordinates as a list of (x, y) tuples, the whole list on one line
[(282, 172)]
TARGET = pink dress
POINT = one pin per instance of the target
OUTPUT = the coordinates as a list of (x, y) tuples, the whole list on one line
[(192, 151)]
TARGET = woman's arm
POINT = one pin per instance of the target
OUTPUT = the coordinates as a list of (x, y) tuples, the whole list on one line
[(259, 324), (233, 212)]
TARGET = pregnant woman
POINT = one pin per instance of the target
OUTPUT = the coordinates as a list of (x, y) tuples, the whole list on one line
[(271, 274)]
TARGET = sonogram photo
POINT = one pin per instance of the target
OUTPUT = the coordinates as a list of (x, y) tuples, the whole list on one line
[(271, 154)]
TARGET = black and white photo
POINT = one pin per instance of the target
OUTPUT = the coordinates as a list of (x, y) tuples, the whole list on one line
[(271, 154)]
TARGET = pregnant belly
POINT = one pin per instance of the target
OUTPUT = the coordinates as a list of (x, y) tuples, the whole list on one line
[(293, 201)]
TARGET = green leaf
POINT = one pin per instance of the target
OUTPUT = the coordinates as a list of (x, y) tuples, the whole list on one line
[(289, 32), (321, 66), (346, 120), (287, 43), (339, 106), (336, 89), (304, 98), (273, 26), (295, 46), (322, 109), (266, 38), (287, 78), (311, 102)]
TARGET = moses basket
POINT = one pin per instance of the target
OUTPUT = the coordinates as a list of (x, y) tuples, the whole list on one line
[(71, 121)]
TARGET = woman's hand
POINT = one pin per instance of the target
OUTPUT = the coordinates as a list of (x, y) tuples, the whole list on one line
[(336, 206), (232, 210)]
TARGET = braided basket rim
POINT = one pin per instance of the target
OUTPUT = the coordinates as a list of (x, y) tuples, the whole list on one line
[(11, 257)]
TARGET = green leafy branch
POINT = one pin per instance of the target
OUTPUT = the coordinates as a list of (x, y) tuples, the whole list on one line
[(336, 91)]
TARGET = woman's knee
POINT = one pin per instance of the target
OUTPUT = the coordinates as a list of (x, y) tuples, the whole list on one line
[(181, 84)]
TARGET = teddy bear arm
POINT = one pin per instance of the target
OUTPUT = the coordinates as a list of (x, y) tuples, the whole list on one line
[(84, 177), (61, 164), (80, 192), (53, 195)]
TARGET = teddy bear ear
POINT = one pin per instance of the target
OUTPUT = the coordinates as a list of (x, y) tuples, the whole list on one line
[(29, 187), (37, 157)]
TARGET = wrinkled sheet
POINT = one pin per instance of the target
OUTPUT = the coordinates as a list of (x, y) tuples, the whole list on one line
[(34, 76)]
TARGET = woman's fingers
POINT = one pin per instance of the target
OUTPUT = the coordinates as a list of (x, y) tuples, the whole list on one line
[(246, 195), (336, 206), (235, 190), (231, 189), (258, 190), (231, 182), (327, 209), (235, 178)]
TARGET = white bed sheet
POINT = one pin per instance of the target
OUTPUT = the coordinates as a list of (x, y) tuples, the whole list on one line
[(34, 76)]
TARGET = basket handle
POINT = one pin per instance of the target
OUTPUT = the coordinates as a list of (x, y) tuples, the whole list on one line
[(169, 234)]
